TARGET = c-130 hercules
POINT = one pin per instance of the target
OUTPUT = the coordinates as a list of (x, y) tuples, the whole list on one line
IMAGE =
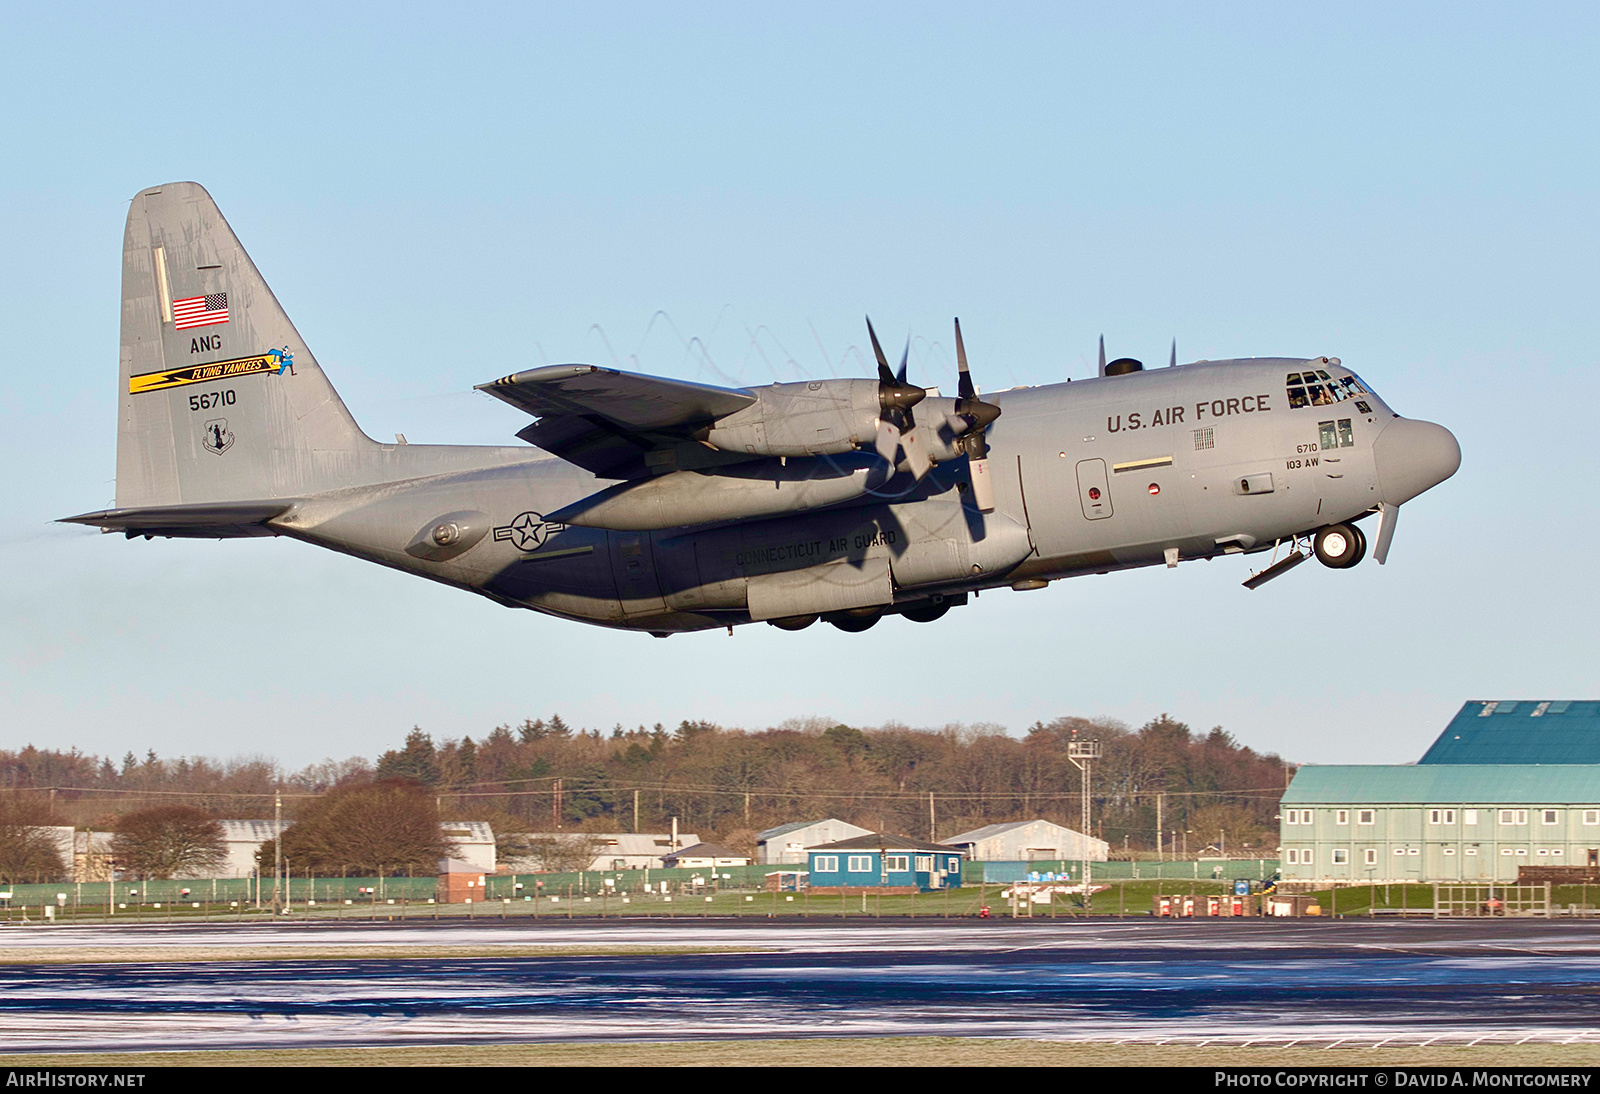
[(663, 506)]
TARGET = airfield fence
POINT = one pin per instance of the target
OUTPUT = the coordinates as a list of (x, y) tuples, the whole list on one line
[(729, 890), (742, 892), (141, 893)]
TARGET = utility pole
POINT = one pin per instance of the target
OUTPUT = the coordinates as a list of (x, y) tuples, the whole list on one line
[(636, 812), (277, 846), (1083, 754), (1160, 796), (933, 828)]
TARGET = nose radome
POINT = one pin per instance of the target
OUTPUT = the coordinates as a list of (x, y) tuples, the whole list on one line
[(1413, 456)]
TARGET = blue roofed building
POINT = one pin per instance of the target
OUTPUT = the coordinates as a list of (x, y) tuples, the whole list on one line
[(884, 860), (1520, 731)]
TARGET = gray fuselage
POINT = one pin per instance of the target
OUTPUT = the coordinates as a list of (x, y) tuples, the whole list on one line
[(1090, 476)]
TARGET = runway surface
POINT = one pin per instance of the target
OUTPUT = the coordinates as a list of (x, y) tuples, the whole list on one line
[(1323, 982)]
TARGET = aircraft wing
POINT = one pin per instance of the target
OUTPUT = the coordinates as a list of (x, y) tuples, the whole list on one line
[(607, 421)]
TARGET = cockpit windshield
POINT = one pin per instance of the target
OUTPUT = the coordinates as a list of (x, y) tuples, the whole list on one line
[(1316, 388)]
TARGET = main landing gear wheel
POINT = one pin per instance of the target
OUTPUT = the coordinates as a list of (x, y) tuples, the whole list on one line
[(793, 622), (925, 613), (1339, 546), (856, 620)]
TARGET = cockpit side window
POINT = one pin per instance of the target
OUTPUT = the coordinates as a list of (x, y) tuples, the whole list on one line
[(1340, 434)]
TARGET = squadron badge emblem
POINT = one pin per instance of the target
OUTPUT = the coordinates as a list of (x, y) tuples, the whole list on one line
[(215, 436)]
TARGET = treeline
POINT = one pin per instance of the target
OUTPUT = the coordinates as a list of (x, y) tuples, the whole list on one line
[(727, 784)]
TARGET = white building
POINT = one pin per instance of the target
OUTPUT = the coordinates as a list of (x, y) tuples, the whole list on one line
[(1028, 841), (786, 844), (705, 856), (612, 850), (471, 842), (242, 839)]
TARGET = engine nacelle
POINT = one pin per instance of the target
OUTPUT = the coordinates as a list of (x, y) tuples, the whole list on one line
[(812, 418)]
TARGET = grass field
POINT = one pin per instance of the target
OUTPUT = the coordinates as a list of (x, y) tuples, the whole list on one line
[(1120, 898)]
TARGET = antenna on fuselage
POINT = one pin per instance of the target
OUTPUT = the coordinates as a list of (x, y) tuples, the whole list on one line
[(1102, 355), (1173, 362)]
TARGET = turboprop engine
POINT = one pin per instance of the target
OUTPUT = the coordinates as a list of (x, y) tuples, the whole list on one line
[(814, 418)]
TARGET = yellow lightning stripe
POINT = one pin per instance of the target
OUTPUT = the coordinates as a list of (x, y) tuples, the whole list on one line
[(200, 374)]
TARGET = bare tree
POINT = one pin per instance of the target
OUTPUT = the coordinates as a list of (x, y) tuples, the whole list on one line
[(28, 849), (384, 828), (167, 841)]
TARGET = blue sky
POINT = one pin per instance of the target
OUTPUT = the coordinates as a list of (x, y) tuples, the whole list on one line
[(440, 200)]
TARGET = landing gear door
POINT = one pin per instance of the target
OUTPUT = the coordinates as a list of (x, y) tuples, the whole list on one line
[(633, 566), (1093, 492)]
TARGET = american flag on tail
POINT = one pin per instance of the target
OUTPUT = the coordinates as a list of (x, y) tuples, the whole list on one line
[(200, 311)]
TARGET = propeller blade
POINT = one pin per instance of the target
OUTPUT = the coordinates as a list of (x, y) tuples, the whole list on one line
[(905, 355), (916, 456), (982, 485), (964, 387), (976, 416), (884, 375), (888, 440)]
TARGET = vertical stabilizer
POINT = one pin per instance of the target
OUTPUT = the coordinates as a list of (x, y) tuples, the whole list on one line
[(218, 397)]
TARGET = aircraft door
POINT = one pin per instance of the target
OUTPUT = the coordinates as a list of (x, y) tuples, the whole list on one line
[(1094, 492)]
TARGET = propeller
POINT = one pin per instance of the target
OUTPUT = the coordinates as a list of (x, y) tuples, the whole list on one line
[(976, 415), (897, 426)]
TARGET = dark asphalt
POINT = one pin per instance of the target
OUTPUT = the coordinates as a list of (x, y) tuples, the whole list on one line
[(1327, 981)]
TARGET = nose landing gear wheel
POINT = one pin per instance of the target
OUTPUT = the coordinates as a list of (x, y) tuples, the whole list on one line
[(1339, 546)]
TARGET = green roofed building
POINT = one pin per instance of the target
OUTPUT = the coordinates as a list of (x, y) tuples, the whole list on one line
[(1509, 784), (1442, 822)]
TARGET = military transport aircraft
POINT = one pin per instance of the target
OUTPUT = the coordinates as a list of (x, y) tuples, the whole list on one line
[(663, 506)]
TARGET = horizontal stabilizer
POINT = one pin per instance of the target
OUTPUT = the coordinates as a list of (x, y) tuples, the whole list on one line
[(209, 520)]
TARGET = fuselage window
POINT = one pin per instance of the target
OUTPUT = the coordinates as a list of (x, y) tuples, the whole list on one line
[(1347, 435)]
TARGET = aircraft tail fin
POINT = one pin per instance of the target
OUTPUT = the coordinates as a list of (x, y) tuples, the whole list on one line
[(219, 399)]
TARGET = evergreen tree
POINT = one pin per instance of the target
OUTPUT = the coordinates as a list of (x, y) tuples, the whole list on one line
[(418, 761)]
